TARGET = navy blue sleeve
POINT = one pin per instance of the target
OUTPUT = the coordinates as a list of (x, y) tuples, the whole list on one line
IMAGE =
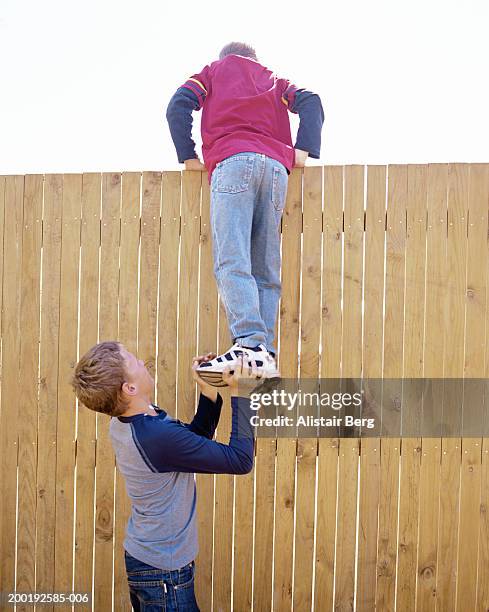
[(179, 116), (308, 106), (207, 416), (311, 118), (167, 445)]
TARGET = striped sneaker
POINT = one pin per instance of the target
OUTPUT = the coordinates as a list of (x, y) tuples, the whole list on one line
[(211, 371)]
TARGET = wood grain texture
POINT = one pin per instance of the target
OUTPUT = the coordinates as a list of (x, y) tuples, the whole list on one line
[(12, 266), (413, 368), (88, 334), (308, 369), (471, 489), (288, 360), (351, 367), (393, 365), (108, 330), (450, 492), (435, 300), (188, 293), (375, 217), (128, 329), (29, 363), (207, 342), (330, 367), (67, 357), (48, 383)]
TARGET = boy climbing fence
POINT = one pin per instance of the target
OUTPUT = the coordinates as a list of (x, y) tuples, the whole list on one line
[(248, 154)]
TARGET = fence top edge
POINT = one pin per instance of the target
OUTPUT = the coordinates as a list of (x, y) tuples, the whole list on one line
[(181, 171)]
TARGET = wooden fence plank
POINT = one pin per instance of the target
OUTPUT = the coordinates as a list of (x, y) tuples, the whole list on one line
[(207, 341), (29, 363), (188, 292), (475, 367), (128, 336), (108, 330), (288, 360), (224, 495), (48, 383), (12, 266), (429, 489), (148, 269), (86, 434), (308, 369), (351, 367), (393, 353), (331, 326), (3, 181), (483, 560), (243, 542), (453, 367), (264, 496), (168, 298), (413, 368), (68, 343), (375, 216)]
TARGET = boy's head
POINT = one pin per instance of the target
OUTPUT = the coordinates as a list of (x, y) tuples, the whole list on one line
[(238, 48), (109, 379)]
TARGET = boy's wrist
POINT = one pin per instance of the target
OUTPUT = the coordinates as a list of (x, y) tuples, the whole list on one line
[(210, 393)]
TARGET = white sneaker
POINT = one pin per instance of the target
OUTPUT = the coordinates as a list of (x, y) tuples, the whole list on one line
[(211, 371)]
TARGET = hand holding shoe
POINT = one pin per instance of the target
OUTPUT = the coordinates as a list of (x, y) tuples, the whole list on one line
[(206, 389)]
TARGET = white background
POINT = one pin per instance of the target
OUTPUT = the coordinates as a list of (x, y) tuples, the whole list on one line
[(84, 86)]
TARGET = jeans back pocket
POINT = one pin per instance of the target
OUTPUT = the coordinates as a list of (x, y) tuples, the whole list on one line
[(233, 175), (149, 593)]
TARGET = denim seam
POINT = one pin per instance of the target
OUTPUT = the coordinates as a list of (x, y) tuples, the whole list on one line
[(238, 156), (263, 165), (279, 207)]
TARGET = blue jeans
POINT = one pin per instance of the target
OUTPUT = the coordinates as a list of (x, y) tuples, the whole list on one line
[(248, 192), (157, 590)]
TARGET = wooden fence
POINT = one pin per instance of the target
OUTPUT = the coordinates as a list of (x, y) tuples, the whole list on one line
[(385, 274)]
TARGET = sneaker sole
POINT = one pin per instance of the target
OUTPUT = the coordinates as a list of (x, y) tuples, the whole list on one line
[(212, 378), (215, 378)]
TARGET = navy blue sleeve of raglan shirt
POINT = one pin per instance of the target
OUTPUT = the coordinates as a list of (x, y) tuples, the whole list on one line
[(179, 117), (188, 98), (308, 106), (207, 416), (168, 445)]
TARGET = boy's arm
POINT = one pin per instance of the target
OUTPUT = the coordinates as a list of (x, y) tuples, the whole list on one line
[(311, 117), (188, 98), (170, 446), (207, 416)]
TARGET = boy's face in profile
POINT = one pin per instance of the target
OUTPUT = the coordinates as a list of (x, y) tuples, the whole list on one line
[(138, 376)]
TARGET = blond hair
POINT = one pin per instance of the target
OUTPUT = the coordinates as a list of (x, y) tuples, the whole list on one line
[(98, 379)]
